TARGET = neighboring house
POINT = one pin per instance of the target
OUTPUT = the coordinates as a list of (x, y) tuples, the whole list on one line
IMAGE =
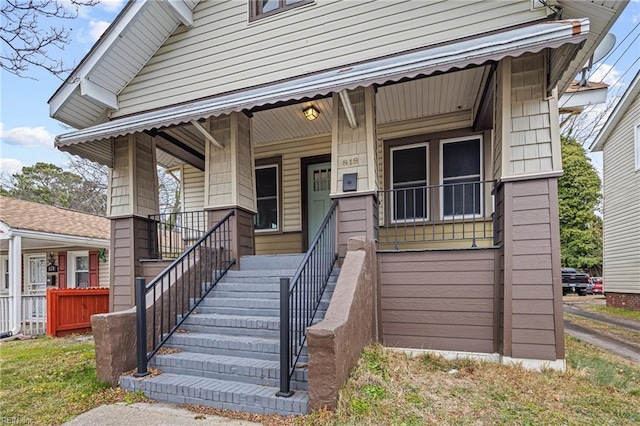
[(45, 247), (619, 140), (433, 124)]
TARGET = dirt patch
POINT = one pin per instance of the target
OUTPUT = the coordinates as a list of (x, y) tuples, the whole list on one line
[(584, 301)]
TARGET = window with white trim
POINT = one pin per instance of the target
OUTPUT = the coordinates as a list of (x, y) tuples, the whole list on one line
[(4, 274), (267, 198), (460, 174), (637, 145), (78, 264), (261, 8), (409, 180)]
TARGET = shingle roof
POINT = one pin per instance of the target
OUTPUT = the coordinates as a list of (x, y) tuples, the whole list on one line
[(26, 215)]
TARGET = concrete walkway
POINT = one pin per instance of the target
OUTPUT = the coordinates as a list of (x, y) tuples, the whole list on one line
[(141, 414)]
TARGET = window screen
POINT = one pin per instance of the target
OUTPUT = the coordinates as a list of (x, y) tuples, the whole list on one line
[(461, 171), (267, 198)]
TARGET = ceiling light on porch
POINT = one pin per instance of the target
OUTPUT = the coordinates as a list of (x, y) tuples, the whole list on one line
[(311, 113)]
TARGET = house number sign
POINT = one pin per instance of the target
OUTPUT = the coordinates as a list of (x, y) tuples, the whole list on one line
[(353, 161)]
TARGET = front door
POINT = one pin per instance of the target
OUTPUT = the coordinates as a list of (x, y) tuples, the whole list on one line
[(37, 275), (318, 201)]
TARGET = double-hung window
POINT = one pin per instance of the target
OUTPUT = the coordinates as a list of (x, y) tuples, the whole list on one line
[(4, 274), (461, 171), (261, 8), (267, 198), (79, 269), (409, 173)]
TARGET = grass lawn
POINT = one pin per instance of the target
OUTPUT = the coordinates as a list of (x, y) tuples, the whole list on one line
[(616, 312), (49, 381)]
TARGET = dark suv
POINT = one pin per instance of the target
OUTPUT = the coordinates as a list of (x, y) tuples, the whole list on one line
[(574, 282)]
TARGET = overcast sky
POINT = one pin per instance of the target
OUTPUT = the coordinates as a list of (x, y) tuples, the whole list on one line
[(27, 133)]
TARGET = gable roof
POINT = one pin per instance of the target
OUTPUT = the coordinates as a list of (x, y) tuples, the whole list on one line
[(621, 108), (92, 89), (29, 216)]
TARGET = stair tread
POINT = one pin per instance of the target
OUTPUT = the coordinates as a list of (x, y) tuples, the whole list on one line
[(213, 336), (218, 385)]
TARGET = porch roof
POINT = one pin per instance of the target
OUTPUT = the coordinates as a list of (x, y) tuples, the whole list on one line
[(93, 142)]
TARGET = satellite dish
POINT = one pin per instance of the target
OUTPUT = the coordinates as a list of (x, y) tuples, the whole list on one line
[(604, 47)]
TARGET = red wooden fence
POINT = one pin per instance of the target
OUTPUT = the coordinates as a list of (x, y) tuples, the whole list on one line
[(69, 310)]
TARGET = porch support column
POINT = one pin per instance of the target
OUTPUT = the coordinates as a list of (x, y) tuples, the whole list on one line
[(354, 177), (230, 181), (133, 195), (527, 164), (15, 283)]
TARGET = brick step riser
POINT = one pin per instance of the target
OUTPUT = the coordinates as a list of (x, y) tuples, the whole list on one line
[(240, 353), (265, 402), (261, 376), (239, 327)]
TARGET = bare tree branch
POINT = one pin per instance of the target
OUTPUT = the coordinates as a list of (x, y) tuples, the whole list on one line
[(26, 42)]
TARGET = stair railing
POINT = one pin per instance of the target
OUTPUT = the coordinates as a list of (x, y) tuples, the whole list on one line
[(180, 288), (300, 296)]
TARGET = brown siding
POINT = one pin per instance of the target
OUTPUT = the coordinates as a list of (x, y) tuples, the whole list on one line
[(441, 300), (241, 227), (129, 243), (356, 217), (290, 242), (532, 300)]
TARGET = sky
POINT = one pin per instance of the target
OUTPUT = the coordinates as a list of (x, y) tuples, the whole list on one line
[(27, 132)]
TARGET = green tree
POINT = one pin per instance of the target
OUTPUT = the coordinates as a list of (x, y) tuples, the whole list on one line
[(49, 184), (579, 193)]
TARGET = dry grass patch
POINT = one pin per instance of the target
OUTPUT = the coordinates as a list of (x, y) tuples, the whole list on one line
[(627, 336), (393, 388)]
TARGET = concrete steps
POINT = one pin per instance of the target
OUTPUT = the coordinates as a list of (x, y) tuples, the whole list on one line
[(226, 354)]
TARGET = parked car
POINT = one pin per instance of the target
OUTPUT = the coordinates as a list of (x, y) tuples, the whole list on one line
[(597, 285), (574, 282)]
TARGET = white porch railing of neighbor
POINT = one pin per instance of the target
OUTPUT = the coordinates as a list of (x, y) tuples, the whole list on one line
[(5, 318), (33, 314)]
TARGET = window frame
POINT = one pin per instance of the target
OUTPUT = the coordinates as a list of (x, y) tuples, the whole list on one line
[(636, 140), (391, 209), (4, 274), (263, 164), (71, 268), (254, 14), (480, 139)]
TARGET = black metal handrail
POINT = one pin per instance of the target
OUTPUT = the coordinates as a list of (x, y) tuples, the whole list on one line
[(300, 296), (180, 288), (170, 234), (447, 212)]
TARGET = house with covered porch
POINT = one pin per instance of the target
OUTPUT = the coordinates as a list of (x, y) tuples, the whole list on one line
[(415, 144), (45, 247)]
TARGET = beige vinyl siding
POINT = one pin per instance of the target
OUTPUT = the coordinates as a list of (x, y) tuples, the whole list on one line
[(145, 180), (459, 235), (103, 271), (223, 52), (351, 145), (291, 153), (442, 300), (245, 177), (530, 138), (192, 189), (218, 164), (290, 242), (622, 207), (119, 196)]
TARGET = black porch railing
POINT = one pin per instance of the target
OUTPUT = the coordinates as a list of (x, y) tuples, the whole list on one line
[(178, 290), (448, 212), (300, 296), (170, 234)]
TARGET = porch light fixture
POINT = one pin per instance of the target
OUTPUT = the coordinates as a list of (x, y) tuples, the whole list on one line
[(311, 113)]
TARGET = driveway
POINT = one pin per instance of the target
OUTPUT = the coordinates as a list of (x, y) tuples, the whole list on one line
[(625, 344)]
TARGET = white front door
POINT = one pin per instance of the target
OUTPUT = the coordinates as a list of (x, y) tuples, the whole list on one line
[(318, 200), (36, 275)]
